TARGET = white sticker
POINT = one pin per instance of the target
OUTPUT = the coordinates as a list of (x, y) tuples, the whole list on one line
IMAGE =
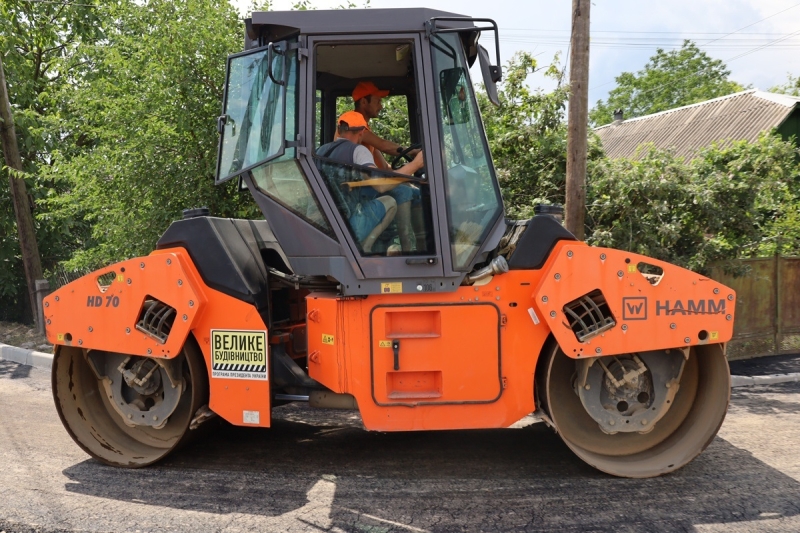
[(252, 417), (533, 316)]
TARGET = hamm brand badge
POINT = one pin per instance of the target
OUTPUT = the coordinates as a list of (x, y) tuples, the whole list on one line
[(634, 308), (239, 354)]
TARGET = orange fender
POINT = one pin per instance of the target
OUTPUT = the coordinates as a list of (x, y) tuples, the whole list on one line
[(100, 311), (679, 309)]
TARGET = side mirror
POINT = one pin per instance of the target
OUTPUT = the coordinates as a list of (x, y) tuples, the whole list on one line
[(491, 75)]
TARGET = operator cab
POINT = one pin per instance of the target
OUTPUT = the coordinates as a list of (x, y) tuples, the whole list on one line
[(283, 97)]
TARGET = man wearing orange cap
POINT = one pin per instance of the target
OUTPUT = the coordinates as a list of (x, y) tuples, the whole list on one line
[(369, 213), (367, 100)]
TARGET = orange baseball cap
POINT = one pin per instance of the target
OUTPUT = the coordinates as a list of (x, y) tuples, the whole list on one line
[(366, 88), (354, 120)]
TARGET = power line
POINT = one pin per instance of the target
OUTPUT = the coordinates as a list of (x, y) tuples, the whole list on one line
[(761, 47), (647, 32), (740, 55), (639, 45), (753, 24)]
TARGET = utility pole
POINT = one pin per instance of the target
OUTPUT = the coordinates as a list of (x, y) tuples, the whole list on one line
[(19, 194), (578, 119)]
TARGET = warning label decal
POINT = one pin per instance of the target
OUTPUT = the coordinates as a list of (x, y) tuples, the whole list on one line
[(391, 288), (239, 354)]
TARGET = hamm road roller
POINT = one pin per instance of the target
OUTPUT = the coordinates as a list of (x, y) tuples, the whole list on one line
[(448, 316)]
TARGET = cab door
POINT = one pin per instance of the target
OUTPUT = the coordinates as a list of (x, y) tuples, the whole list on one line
[(393, 62), (435, 354)]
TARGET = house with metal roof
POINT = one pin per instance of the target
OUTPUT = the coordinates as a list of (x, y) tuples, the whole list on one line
[(685, 130)]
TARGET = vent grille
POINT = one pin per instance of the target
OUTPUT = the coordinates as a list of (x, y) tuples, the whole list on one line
[(589, 315), (156, 319)]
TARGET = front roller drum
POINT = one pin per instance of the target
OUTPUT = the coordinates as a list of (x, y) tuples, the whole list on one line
[(637, 415), (126, 410)]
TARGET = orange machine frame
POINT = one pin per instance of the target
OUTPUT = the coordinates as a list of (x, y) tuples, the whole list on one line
[(171, 277), (346, 345), (465, 359)]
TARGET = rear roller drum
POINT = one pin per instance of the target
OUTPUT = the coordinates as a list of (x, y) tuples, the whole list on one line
[(126, 410), (637, 415)]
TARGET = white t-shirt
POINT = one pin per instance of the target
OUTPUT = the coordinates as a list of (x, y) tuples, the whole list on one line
[(362, 156)]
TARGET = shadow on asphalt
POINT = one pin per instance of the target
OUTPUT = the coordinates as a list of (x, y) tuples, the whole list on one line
[(13, 370), (499, 480)]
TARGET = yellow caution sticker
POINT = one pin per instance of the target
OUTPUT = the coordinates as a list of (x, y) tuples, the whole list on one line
[(384, 344), (714, 335), (120, 278), (239, 354), (327, 339), (60, 336), (391, 288), (631, 268)]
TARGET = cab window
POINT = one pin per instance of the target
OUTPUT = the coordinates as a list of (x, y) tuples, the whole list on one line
[(387, 213), (473, 198)]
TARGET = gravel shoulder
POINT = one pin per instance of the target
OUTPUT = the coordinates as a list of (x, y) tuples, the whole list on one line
[(23, 336)]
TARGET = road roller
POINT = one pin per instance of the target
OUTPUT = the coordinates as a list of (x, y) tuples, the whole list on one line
[(396, 289)]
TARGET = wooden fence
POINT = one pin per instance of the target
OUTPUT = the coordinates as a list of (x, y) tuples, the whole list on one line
[(767, 307)]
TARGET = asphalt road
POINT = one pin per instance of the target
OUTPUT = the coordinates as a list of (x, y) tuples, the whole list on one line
[(319, 471)]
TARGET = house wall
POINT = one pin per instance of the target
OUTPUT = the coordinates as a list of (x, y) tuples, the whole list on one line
[(791, 127)]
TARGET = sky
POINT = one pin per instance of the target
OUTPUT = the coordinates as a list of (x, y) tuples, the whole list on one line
[(759, 40)]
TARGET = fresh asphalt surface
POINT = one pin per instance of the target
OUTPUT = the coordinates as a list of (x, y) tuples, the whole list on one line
[(319, 471)]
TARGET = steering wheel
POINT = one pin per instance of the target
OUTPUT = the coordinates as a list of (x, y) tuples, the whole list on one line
[(398, 161)]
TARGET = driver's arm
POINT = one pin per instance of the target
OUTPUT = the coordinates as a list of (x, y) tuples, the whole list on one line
[(408, 169), (387, 147), (414, 165)]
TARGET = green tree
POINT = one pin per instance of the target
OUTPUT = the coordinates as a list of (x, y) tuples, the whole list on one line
[(669, 80), (528, 136), (39, 42), (790, 87), (147, 113), (737, 201)]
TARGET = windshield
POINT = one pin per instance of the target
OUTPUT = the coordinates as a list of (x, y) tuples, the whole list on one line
[(473, 198)]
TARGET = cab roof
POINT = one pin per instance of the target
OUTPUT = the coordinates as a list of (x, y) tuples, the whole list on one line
[(275, 25)]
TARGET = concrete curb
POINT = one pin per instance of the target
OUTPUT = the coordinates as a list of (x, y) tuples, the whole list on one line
[(26, 357), (45, 362)]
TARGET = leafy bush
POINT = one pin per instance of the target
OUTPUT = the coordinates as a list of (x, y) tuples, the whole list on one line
[(731, 202), (528, 137)]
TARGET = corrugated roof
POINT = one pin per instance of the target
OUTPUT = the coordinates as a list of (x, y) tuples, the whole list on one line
[(684, 130)]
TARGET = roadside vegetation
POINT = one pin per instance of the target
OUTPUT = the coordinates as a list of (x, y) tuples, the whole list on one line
[(115, 106)]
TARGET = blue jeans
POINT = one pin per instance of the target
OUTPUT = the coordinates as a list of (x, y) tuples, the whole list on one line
[(367, 215), (402, 193), (405, 193)]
